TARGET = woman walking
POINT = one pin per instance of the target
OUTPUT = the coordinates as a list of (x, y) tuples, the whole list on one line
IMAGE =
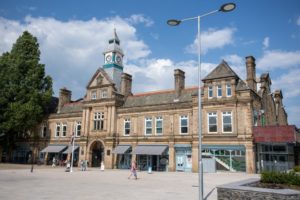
[(133, 170)]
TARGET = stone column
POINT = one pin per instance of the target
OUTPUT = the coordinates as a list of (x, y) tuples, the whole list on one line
[(172, 158), (250, 159), (195, 152)]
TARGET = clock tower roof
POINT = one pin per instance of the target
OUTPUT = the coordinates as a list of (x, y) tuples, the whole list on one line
[(114, 44)]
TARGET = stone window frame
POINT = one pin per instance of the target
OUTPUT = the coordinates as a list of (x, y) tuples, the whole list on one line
[(104, 93), (181, 118), (64, 129), (212, 114), (77, 125), (44, 130), (157, 119), (219, 91), (226, 114), (210, 92), (98, 121), (228, 88), (93, 94), (127, 121), (148, 119), (57, 130)]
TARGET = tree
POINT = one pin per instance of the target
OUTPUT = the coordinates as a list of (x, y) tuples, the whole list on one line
[(25, 90)]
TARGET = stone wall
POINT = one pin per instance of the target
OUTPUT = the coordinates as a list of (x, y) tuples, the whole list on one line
[(241, 190)]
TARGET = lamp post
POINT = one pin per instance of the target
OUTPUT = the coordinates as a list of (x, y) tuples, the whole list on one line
[(174, 22)]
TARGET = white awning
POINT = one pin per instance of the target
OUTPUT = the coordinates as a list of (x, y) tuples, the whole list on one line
[(121, 149), (53, 148), (150, 149), (69, 149)]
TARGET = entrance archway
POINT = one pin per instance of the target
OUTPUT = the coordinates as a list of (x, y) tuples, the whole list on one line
[(97, 153)]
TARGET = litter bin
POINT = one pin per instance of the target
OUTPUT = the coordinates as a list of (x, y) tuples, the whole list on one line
[(149, 170)]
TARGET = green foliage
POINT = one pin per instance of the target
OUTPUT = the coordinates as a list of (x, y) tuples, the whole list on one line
[(25, 90), (290, 178), (297, 168)]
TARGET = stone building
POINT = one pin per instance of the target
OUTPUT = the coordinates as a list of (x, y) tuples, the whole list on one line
[(113, 126)]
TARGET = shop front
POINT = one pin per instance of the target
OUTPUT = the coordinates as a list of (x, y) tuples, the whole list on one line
[(123, 154), (226, 157), (152, 157), (183, 154)]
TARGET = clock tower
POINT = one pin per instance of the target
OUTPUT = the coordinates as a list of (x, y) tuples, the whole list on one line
[(113, 60)]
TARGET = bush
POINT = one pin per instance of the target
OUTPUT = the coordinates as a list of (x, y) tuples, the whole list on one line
[(290, 178), (297, 168)]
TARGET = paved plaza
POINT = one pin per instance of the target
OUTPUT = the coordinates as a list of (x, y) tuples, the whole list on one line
[(17, 182)]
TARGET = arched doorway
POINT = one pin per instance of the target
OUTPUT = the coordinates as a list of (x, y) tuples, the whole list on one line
[(97, 153)]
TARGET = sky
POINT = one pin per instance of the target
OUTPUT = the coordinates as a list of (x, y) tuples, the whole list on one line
[(73, 35)]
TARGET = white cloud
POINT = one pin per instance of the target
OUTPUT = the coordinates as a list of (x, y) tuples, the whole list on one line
[(293, 115), (136, 19), (212, 39), (266, 42), (298, 21), (158, 74), (288, 83), (71, 47), (279, 59)]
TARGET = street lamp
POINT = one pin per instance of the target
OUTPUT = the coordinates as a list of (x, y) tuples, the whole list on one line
[(174, 22)]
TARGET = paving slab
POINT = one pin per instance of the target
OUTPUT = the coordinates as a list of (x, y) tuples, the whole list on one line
[(17, 182)]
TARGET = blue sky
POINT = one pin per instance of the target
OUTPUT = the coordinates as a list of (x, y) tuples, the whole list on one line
[(73, 35)]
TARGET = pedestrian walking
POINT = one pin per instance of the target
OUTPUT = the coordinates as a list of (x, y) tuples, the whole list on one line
[(53, 162), (133, 170)]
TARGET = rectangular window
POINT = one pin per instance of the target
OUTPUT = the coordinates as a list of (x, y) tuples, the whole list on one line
[(94, 95), (184, 125), (219, 92), (57, 131), (78, 129), (148, 126), (227, 122), (228, 90), (98, 121), (210, 91), (104, 93), (127, 127), (64, 130), (159, 125), (44, 130), (212, 122)]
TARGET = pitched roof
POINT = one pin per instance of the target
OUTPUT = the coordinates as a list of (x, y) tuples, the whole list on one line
[(72, 107), (158, 98), (223, 70), (242, 85)]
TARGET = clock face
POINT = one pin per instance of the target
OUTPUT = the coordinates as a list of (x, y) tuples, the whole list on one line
[(108, 58), (119, 59)]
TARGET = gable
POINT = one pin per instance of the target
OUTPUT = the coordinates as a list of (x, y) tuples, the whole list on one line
[(99, 78), (221, 71)]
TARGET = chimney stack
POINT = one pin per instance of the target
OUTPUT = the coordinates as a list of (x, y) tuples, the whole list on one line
[(126, 82), (251, 73), (64, 97), (179, 81)]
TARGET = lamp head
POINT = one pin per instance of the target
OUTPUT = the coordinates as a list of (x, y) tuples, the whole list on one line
[(227, 7), (173, 22)]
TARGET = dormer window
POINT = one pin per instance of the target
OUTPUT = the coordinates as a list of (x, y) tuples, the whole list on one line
[(210, 91), (219, 91)]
